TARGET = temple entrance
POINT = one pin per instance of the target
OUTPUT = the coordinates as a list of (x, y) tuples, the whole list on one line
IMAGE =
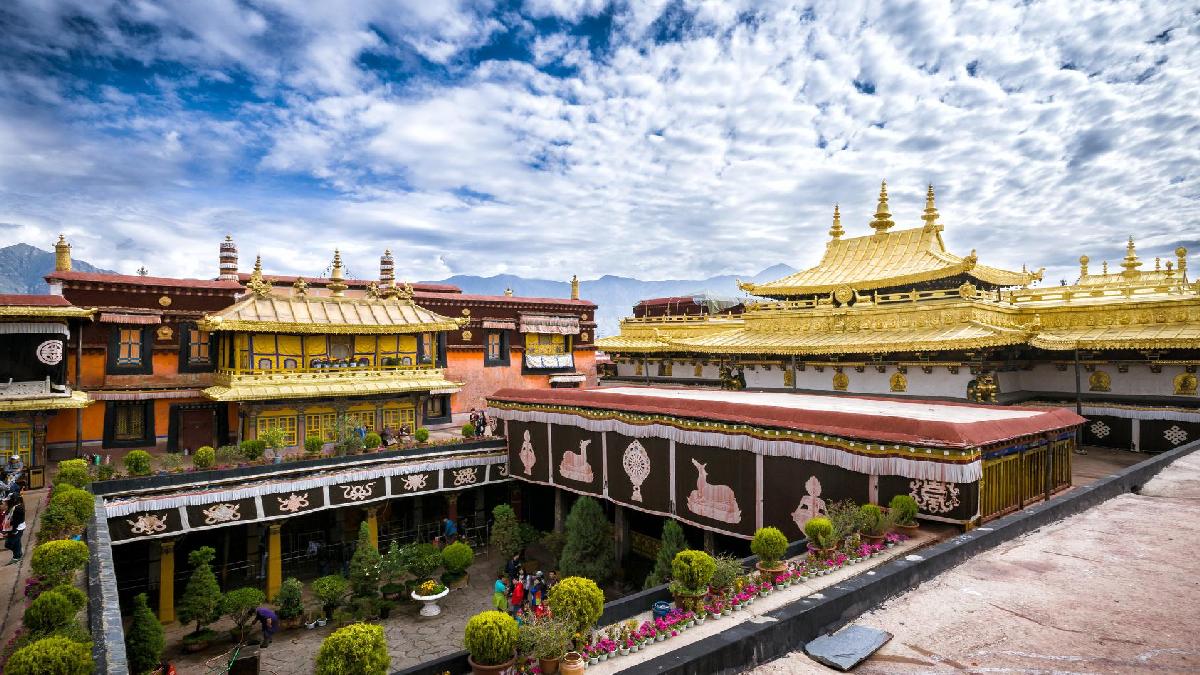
[(197, 428)]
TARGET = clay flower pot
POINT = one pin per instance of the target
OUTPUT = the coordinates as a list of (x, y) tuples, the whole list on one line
[(480, 669)]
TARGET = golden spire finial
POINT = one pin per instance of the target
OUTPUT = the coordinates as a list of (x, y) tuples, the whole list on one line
[(257, 285), (336, 285), (508, 292), (1181, 255), (299, 287), (574, 287), (883, 219), (1104, 268), (1083, 266), (836, 231), (62, 255), (1131, 262), (931, 213)]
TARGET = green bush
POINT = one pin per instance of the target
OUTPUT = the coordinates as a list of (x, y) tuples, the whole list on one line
[(505, 531), (421, 560), (903, 510), (529, 535), (874, 521), (201, 600), (468, 430), (726, 574), (589, 550), (313, 445), (364, 565), (228, 454), (144, 641), (554, 542), (77, 598), (137, 463), (204, 458), (421, 435), (544, 638), (819, 532), (47, 612), (845, 517), (577, 600), (457, 557), (357, 649), (290, 600), (391, 567), (769, 545), (60, 519), (52, 656), (105, 471), (692, 571), (81, 503), (372, 441), (57, 561), (331, 591), (252, 450), (491, 638), (673, 542), (239, 605), (73, 472), (172, 462)]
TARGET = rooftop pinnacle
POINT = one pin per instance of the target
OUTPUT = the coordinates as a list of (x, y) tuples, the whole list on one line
[(883, 219), (931, 214), (836, 231)]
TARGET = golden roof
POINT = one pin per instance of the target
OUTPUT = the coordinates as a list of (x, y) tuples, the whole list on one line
[(1153, 336), (36, 312), (77, 399), (259, 386), (971, 335), (886, 259), (274, 313)]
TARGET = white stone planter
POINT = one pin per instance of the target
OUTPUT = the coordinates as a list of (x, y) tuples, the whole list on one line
[(430, 607)]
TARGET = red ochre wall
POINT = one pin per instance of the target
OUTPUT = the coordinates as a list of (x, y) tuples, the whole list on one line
[(479, 382)]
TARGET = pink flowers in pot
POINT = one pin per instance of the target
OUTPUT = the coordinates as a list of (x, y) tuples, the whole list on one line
[(605, 646), (782, 579), (895, 537)]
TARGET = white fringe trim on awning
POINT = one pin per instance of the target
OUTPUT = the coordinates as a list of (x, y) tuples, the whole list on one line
[(40, 327), (920, 466)]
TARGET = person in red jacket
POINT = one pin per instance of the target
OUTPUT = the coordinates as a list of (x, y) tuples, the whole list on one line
[(518, 595)]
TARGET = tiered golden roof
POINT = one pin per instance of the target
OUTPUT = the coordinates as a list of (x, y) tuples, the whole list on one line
[(887, 259), (75, 401), (272, 385)]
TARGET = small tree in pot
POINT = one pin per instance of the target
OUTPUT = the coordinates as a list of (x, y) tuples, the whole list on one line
[(357, 649), (144, 641), (820, 534), (201, 600), (456, 558), (691, 572), (331, 591), (239, 605), (903, 510), (578, 600), (770, 545), (290, 602), (491, 638), (391, 571), (364, 565)]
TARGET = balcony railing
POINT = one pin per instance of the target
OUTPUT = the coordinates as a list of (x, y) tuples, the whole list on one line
[(328, 370)]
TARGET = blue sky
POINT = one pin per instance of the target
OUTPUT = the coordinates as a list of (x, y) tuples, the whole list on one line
[(658, 139)]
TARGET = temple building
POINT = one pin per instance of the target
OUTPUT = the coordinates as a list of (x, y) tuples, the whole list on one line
[(894, 313)]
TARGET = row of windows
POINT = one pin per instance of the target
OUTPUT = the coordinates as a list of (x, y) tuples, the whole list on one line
[(133, 347), (324, 425)]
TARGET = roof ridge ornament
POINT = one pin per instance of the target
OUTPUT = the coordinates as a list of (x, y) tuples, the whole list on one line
[(836, 231), (931, 213), (337, 284), (257, 285), (883, 219), (300, 287), (1131, 262)]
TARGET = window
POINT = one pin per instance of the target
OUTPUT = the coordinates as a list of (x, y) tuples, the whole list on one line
[(286, 423), (128, 424), (362, 418), (495, 348), (16, 442), (425, 348), (436, 408), (545, 344), (129, 347), (198, 347), (400, 417), (321, 425)]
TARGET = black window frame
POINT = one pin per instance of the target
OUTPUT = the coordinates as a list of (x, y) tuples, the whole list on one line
[(424, 359), (447, 415), (505, 349), (148, 438), (185, 350), (146, 367)]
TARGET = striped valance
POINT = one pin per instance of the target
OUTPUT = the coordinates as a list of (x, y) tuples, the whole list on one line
[(556, 325), (22, 328)]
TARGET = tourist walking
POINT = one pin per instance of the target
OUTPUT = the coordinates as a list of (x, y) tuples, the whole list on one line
[(14, 527)]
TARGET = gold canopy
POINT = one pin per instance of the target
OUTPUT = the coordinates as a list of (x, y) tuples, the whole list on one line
[(328, 383), (308, 314), (77, 399)]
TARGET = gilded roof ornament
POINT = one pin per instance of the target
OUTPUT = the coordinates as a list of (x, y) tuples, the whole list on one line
[(337, 284), (1131, 262), (883, 218), (257, 285), (373, 290), (405, 292), (836, 231), (1083, 266), (299, 287), (931, 213), (1181, 255)]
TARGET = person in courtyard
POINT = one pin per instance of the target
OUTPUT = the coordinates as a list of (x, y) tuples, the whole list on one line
[(14, 467), (270, 624), (511, 567), (538, 590), (14, 527), (518, 595), (552, 579), (500, 594), (481, 428), (449, 530), (473, 418)]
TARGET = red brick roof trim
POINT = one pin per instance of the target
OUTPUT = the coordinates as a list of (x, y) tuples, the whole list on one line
[(139, 280), (21, 300)]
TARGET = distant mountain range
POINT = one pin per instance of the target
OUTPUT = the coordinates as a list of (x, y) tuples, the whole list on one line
[(615, 296), (22, 268)]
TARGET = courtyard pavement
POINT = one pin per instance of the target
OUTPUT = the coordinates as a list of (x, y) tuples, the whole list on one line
[(1115, 589), (12, 577), (411, 638)]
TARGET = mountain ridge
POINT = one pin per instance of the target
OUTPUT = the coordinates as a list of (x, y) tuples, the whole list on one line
[(23, 268)]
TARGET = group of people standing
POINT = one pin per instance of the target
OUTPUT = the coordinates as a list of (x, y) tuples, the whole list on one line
[(479, 419), (12, 508), (521, 594)]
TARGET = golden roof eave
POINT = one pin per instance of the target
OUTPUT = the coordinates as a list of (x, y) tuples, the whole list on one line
[(23, 311), (972, 335), (282, 386), (316, 315), (77, 400)]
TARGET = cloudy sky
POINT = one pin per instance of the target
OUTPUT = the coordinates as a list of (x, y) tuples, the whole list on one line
[(548, 137)]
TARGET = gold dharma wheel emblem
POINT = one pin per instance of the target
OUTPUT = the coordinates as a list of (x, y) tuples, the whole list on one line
[(466, 335), (843, 294), (466, 311), (165, 301)]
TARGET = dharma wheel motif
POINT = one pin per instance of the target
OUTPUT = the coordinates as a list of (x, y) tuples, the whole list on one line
[(636, 463)]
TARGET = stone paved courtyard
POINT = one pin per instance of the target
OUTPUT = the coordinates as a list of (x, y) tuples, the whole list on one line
[(411, 638)]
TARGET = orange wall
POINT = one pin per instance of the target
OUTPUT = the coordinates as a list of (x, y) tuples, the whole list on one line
[(480, 382)]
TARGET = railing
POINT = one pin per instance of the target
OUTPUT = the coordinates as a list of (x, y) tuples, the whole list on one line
[(1113, 290), (324, 371), (1015, 481)]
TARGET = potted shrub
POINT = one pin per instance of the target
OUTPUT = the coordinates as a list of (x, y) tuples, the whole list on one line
[(549, 639), (239, 605), (726, 574), (421, 435), (903, 510), (357, 648), (204, 458), (55, 654), (578, 600), (144, 640), (820, 535), (468, 430), (372, 441), (770, 546), (391, 570), (875, 523), (330, 590), (313, 445), (421, 560), (692, 571), (456, 558), (201, 600), (491, 639), (290, 602), (364, 565), (137, 463)]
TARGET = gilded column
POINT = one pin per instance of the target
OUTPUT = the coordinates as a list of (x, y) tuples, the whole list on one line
[(373, 525), (166, 580), (274, 560)]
